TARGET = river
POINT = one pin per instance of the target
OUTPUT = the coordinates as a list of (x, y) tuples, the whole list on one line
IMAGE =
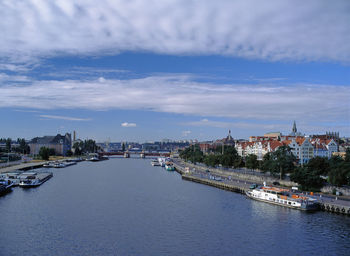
[(128, 207)]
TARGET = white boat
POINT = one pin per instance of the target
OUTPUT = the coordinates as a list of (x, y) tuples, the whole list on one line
[(161, 161), (155, 163), (59, 165), (283, 197), (93, 159)]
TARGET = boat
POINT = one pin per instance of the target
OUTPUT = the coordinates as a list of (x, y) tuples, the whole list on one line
[(283, 197), (5, 187), (161, 161), (59, 165), (35, 180), (10, 176), (49, 164), (169, 166), (93, 159), (155, 163)]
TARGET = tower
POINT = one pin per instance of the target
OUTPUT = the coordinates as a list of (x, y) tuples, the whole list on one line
[(294, 130)]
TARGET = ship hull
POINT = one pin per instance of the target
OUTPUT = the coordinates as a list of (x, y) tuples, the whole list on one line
[(302, 208)]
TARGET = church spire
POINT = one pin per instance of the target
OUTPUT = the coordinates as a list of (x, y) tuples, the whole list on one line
[(294, 130)]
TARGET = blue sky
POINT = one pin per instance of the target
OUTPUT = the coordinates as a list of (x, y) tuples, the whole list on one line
[(131, 71)]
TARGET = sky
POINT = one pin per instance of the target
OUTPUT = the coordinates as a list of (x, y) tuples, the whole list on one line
[(135, 70)]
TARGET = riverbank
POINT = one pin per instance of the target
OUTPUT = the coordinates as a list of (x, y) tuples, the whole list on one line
[(236, 183)]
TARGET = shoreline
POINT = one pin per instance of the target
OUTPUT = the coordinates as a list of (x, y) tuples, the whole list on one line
[(327, 203)]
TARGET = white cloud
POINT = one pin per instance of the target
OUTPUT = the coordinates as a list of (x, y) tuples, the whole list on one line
[(186, 133), (67, 118), (182, 95), (125, 124), (238, 125), (273, 30)]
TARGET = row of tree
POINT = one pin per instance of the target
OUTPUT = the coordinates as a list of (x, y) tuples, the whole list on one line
[(85, 147), (310, 176), (225, 156), (313, 175), (22, 148)]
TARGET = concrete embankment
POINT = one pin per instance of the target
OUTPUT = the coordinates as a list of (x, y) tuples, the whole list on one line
[(24, 166), (239, 188), (253, 178), (329, 204), (234, 186)]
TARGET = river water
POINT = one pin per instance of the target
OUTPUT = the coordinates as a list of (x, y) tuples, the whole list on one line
[(128, 207)]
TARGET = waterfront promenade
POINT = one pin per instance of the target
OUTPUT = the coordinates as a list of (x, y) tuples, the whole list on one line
[(232, 182), (22, 166)]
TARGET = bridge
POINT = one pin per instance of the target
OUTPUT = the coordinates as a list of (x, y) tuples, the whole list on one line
[(141, 153)]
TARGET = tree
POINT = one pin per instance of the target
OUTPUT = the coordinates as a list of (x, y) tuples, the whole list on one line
[(279, 162), (251, 161), (44, 153), (123, 147), (307, 178), (340, 175), (69, 152), (347, 155), (319, 165), (8, 144), (212, 160), (52, 152)]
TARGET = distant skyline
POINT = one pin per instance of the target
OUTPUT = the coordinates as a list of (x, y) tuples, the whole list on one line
[(144, 71)]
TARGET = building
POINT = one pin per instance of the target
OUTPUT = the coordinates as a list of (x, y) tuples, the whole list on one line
[(60, 143), (295, 131), (302, 149), (324, 147), (226, 141)]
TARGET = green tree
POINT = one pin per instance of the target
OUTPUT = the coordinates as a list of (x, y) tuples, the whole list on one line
[(251, 162), (123, 147), (279, 162), (69, 152), (347, 155), (44, 153), (307, 178), (340, 175), (212, 160), (319, 165), (8, 144), (52, 152)]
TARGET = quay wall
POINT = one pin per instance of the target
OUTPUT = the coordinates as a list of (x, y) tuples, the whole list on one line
[(334, 206), (244, 176), (236, 188)]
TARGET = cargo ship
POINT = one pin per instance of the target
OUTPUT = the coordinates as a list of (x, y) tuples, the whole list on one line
[(283, 197)]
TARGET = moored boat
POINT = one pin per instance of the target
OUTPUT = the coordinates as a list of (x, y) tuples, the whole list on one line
[(169, 166), (155, 163), (161, 161), (283, 197), (35, 180), (5, 187)]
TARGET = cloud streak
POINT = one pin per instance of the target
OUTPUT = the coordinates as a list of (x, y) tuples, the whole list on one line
[(67, 118), (126, 124), (271, 30)]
